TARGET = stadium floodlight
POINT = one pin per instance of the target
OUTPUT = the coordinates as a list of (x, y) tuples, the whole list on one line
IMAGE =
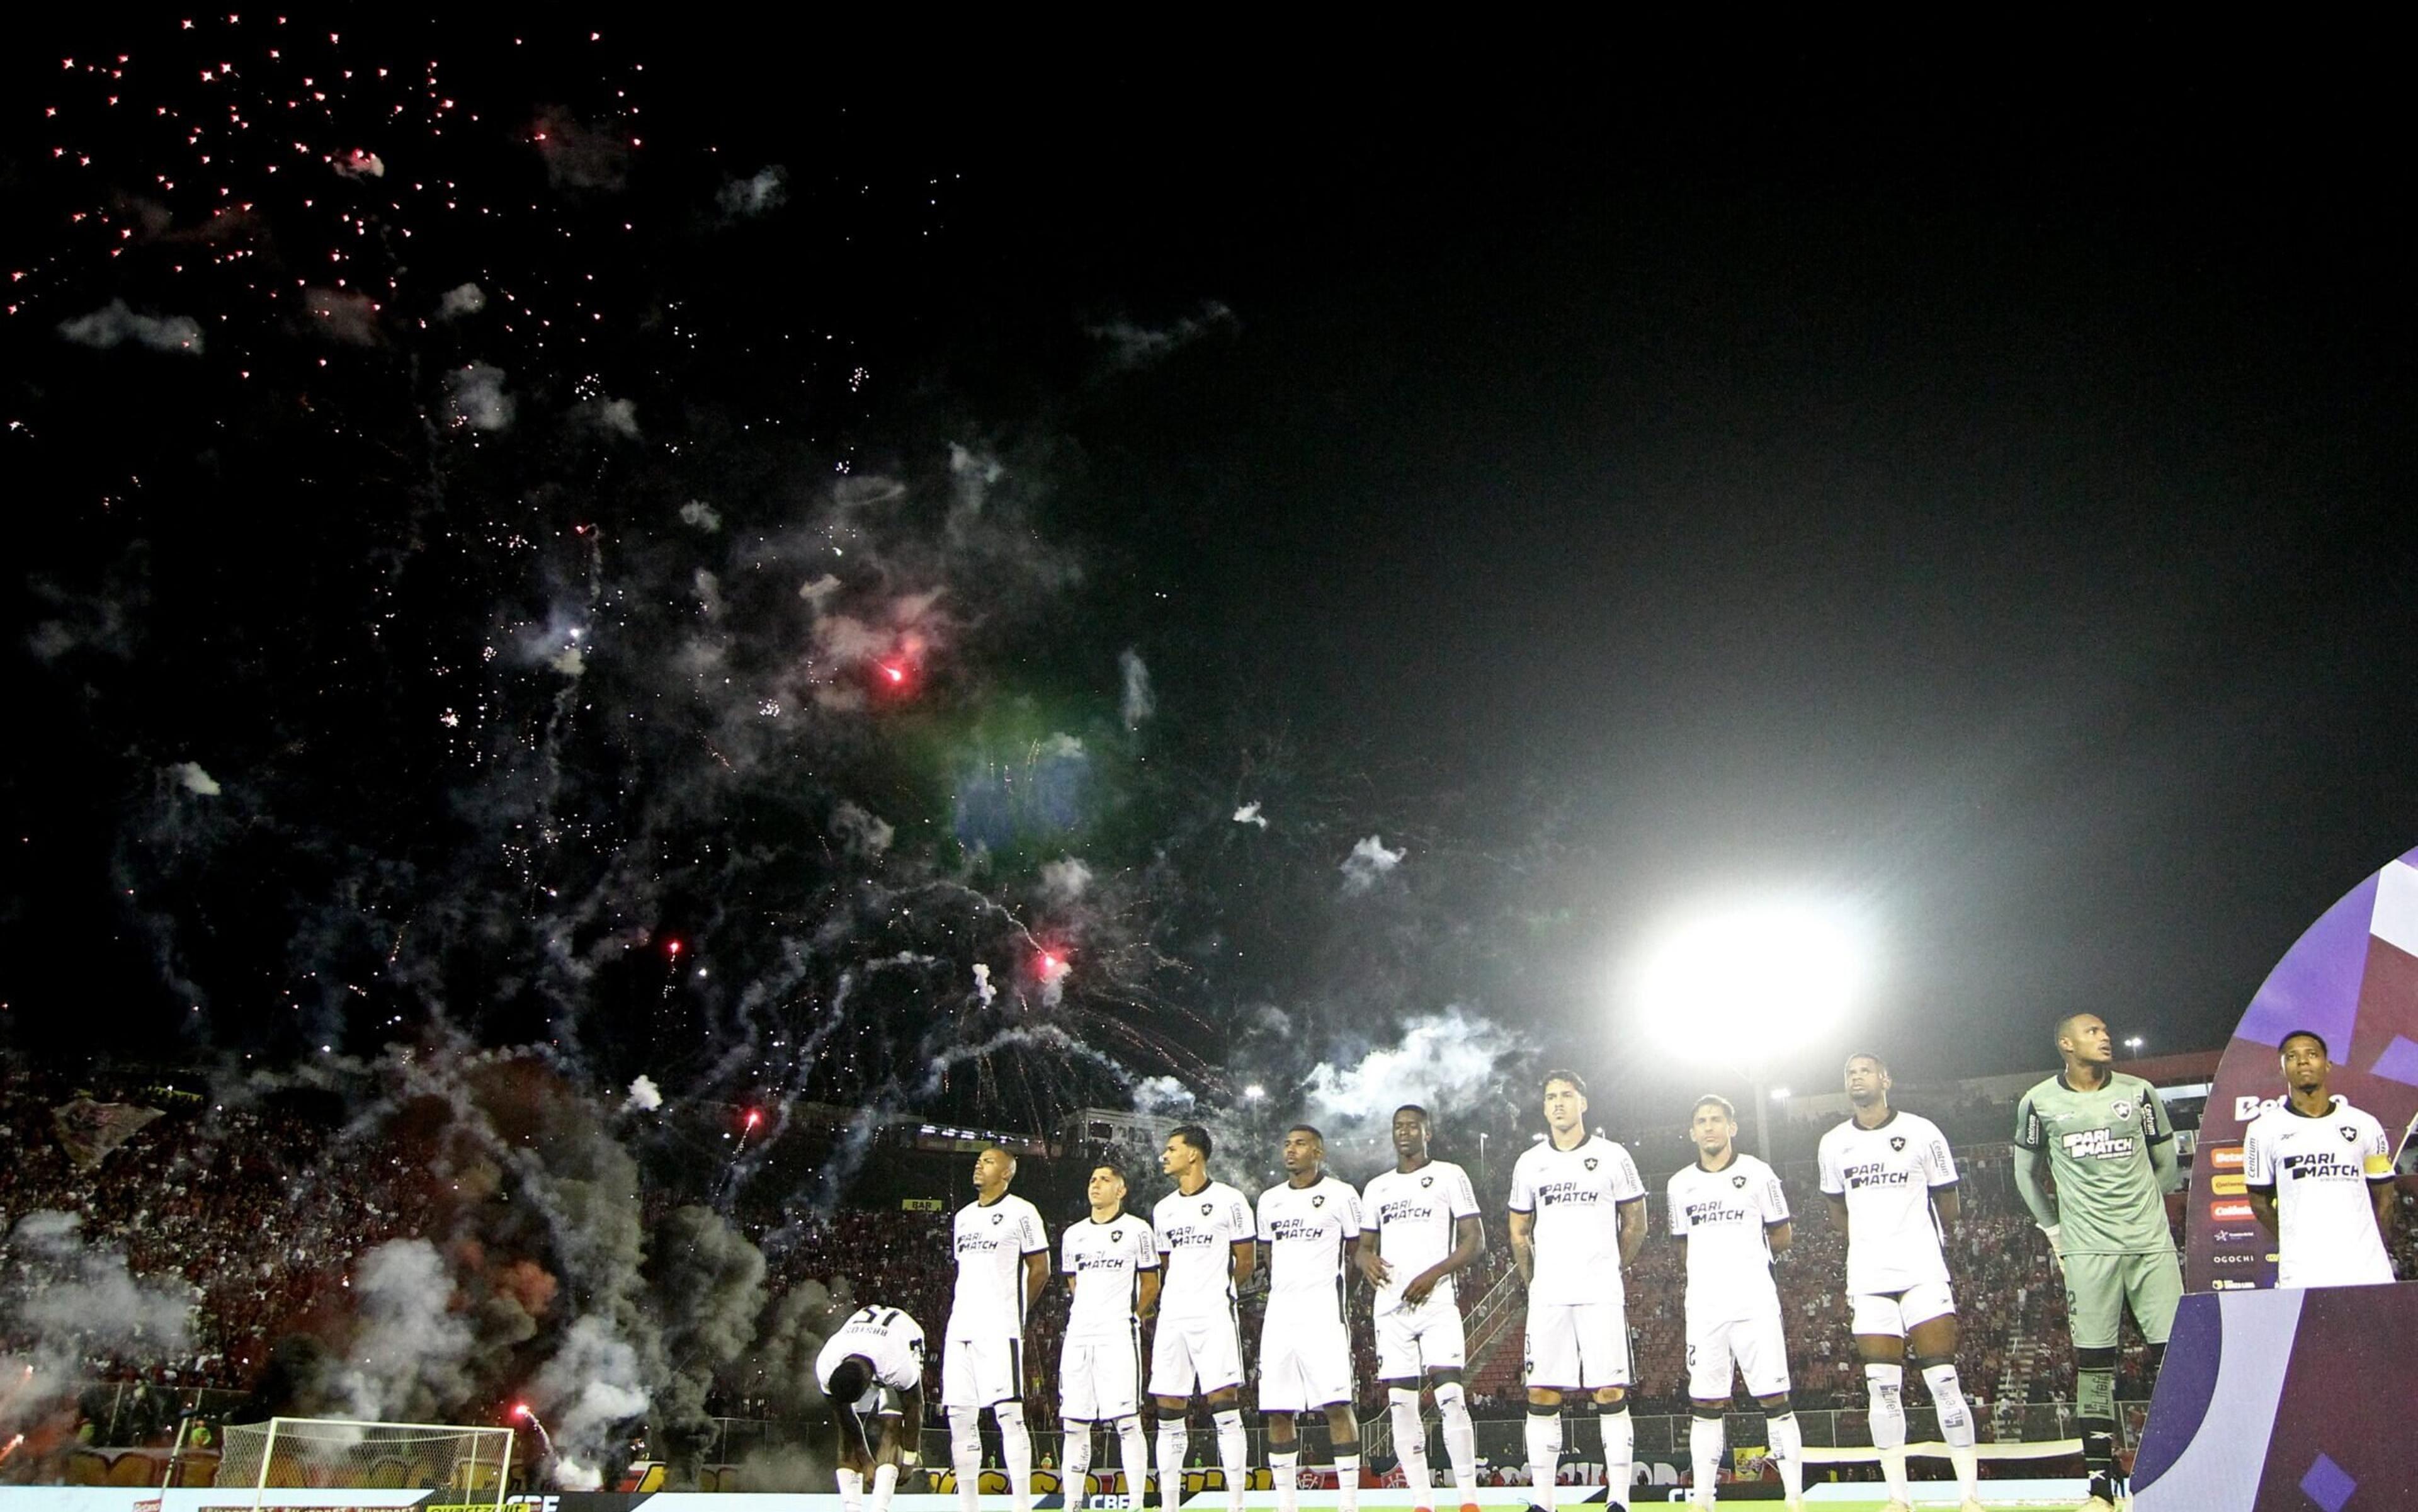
[(1743, 984)]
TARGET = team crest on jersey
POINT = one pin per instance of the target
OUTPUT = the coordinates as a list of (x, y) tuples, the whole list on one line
[(1590, 1162), (1737, 1181), (995, 1218), (1318, 1202), (1897, 1142), (1206, 1209), (1426, 1182), (2349, 1133), (2123, 1109)]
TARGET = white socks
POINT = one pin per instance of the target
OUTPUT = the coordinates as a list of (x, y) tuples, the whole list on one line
[(1076, 1440), (1347, 1479), (1135, 1456), (1886, 1386), (1619, 1450), (1284, 1468), (1704, 1457), (965, 1454), (1544, 1454), (1233, 1453), (885, 1480), (1788, 1450), (1015, 1450), (1409, 1440), (1172, 1439), (1460, 1436), (851, 1489), (1955, 1424)]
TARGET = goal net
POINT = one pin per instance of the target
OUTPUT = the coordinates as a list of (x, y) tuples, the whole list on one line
[(317, 1453)]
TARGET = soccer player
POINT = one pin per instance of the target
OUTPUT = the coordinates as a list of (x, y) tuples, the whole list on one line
[(1578, 1216), (1892, 1189), (1729, 1211), (1308, 1221), (2104, 1139), (1207, 1247), (1420, 1229), (2321, 1177), (1002, 1264), (1112, 1262), (872, 1366)]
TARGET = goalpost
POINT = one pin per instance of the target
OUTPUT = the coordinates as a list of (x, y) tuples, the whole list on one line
[(470, 1464)]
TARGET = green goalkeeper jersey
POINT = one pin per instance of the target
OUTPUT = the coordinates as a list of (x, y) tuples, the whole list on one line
[(2108, 1199)]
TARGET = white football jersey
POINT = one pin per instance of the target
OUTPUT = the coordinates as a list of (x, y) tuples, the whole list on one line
[(1308, 1229), (1104, 1262), (1415, 1214), (1887, 1175), (1197, 1235), (992, 1243), (1576, 1197), (1724, 1215), (2319, 1170), (893, 1341)]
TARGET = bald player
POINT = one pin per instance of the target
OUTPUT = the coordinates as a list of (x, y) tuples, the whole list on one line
[(1002, 1264)]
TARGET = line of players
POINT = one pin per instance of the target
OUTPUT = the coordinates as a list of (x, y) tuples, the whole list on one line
[(1577, 1219)]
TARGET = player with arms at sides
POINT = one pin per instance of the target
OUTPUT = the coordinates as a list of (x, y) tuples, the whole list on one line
[(1893, 1188), (1420, 1227), (2104, 1138), (1207, 1247), (874, 1367), (1729, 1211), (1002, 1264), (1578, 1216), (1111, 1263), (2320, 1174), (1308, 1222)]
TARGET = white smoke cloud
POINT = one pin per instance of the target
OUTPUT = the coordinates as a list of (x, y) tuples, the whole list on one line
[(1065, 880), (1062, 746), (645, 1097), (1367, 866), (983, 987), (697, 513), (755, 195), (191, 777), (1249, 814), (65, 1302), (361, 163), (859, 830), (461, 299), (615, 417), (1163, 1097), (408, 1358), (570, 661), (1139, 702), (1132, 345), (1451, 1059), (588, 1390), (476, 396), (709, 592), (820, 588), (115, 324)]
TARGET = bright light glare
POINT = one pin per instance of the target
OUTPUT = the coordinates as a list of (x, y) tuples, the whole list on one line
[(1753, 979)]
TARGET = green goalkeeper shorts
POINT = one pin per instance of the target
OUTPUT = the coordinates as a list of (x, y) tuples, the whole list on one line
[(2098, 1287)]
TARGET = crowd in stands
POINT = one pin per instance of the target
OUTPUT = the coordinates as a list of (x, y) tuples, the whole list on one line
[(242, 1206)]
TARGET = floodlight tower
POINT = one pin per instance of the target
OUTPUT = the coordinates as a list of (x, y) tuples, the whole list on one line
[(1745, 982)]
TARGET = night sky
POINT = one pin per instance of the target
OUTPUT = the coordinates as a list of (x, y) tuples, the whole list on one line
[(1978, 490)]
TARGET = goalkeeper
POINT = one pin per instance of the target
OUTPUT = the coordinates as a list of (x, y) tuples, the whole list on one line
[(2108, 1146), (872, 1366)]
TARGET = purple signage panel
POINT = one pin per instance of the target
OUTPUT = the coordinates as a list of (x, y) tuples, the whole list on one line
[(2353, 979)]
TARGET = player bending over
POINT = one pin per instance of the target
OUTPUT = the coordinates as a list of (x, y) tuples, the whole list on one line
[(1206, 1248), (1002, 1264), (2319, 1173), (1893, 1188), (874, 1367), (1111, 1263), (1308, 1222), (1421, 1227), (1729, 1212), (1578, 1216), (2104, 1139)]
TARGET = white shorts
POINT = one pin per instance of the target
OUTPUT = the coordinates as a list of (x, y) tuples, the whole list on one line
[(1884, 1313), (1191, 1354), (1305, 1359), (1414, 1340), (978, 1372), (1578, 1346), (1100, 1380), (1753, 1345)]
